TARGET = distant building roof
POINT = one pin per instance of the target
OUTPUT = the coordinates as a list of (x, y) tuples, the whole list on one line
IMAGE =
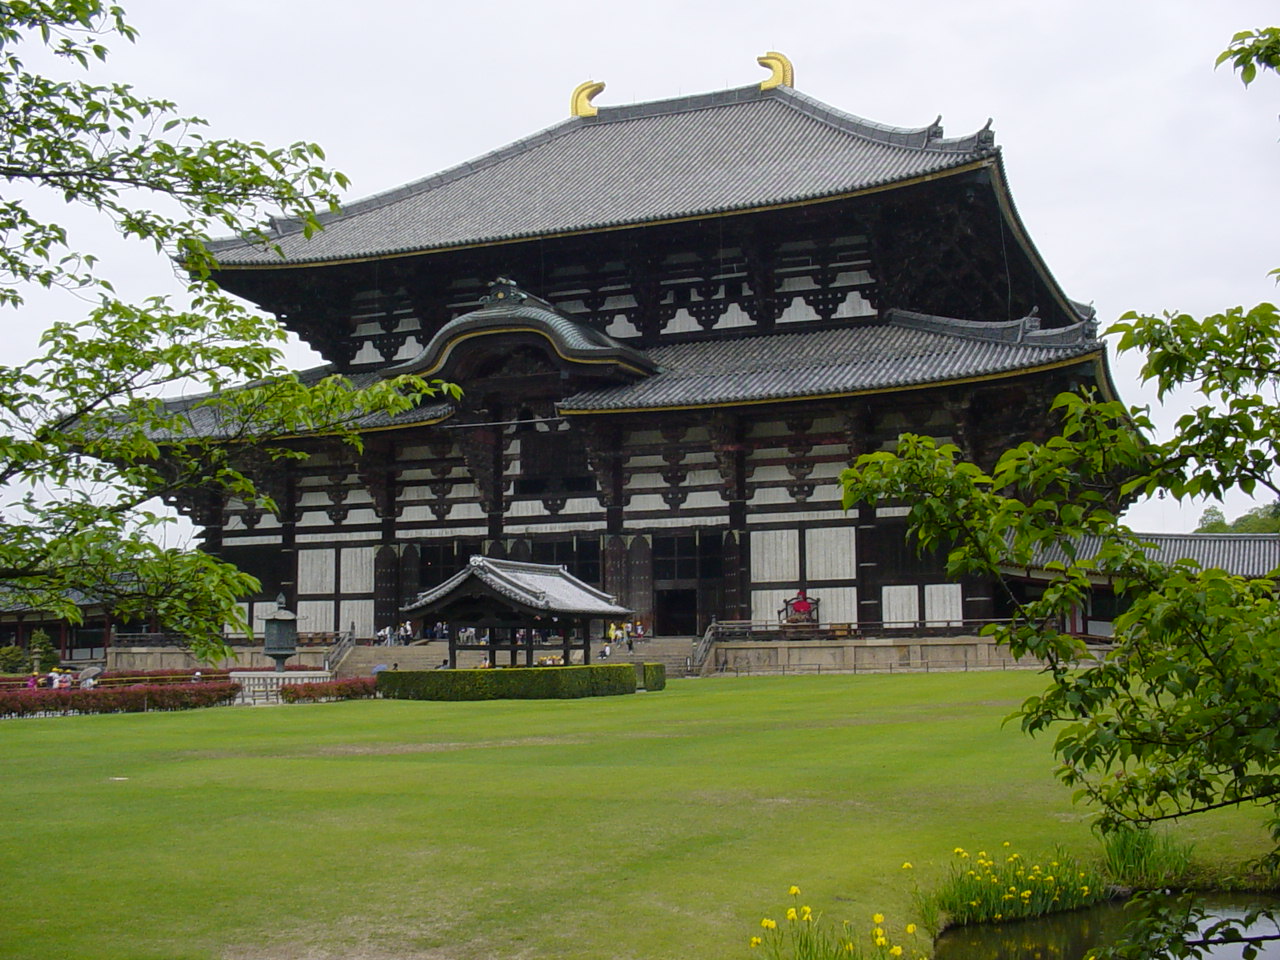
[(1241, 554), (537, 587), (733, 150)]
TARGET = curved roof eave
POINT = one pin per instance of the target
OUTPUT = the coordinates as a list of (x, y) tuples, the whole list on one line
[(1004, 197)]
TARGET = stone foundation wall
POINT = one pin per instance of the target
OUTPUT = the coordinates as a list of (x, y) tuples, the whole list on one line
[(176, 658), (873, 654)]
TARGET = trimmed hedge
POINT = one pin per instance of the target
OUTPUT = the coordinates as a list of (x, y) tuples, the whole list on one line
[(517, 683), (358, 688), (655, 676), (135, 699)]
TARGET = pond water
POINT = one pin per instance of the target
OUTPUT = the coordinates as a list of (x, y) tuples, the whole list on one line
[(1070, 936)]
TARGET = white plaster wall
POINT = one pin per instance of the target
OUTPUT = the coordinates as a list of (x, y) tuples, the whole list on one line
[(315, 571), (775, 555), (839, 604), (315, 616), (765, 604), (831, 553), (900, 605), (334, 537), (357, 569), (943, 605), (359, 612)]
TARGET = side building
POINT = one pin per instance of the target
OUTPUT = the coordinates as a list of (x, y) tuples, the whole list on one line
[(674, 324)]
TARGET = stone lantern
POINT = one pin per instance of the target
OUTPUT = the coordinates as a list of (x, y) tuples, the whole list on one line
[(280, 634)]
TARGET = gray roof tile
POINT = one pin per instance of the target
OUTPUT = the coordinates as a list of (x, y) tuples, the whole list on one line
[(732, 150), (1242, 554), (537, 586), (903, 350)]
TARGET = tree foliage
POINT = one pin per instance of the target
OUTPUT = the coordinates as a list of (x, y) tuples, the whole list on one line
[(1263, 519), (1182, 714), (86, 445)]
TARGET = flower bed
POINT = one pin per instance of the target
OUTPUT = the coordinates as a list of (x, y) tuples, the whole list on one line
[(171, 675), (130, 699), (359, 688)]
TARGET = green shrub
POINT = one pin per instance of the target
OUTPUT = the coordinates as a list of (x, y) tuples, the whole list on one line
[(655, 676), (520, 683), (13, 659), (43, 653)]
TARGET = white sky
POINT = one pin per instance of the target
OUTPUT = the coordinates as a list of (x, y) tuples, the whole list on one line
[(1146, 178)]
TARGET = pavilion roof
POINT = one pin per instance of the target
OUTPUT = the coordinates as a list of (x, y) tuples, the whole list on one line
[(729, 151), (539, 587)]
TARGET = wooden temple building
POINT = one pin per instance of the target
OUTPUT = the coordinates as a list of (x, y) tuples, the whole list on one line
[(674, 324)]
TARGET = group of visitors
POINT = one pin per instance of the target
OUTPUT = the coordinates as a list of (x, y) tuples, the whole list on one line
[(57, 679), (399, 635), (629, 633)]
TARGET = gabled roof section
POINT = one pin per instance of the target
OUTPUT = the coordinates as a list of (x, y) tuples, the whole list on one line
[(509, 310), (729, 151), (900, 352), (535, 587)]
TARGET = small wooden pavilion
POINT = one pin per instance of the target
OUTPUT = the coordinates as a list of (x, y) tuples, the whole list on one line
[(503, 605)]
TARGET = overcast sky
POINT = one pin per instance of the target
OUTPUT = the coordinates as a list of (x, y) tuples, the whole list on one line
[(1146, 178)]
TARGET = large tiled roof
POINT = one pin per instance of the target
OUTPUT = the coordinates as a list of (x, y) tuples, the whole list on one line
[(201, 419), (732, 150), (1242, 554), (901, 351), (536, 586)]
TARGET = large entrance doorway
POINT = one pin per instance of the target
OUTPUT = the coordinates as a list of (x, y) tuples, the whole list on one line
[(675, 613)]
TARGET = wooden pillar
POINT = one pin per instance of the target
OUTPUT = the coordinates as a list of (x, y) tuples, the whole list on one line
[(586, 642)]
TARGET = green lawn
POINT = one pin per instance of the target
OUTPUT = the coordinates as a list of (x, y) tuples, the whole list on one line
[(652, 826)]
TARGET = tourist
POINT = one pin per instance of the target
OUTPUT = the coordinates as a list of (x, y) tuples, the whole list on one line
[(444, 664), (604, 654), (33, 681), (87, 683)]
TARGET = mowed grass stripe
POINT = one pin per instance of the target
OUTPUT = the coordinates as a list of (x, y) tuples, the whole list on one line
[(659, 825)]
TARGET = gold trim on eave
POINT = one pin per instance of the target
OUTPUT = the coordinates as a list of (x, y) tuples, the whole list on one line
[(784, 75), (580, 104)]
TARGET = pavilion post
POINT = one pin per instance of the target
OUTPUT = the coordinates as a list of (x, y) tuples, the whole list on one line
[(528, 648), (566, 657), (453, 650), (586, 643)]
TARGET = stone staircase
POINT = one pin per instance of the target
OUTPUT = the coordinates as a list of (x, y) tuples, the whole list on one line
[(361, 660), (672, 652)]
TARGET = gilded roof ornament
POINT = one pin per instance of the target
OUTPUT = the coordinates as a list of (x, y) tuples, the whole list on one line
[(580, 104), (784, 75)]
